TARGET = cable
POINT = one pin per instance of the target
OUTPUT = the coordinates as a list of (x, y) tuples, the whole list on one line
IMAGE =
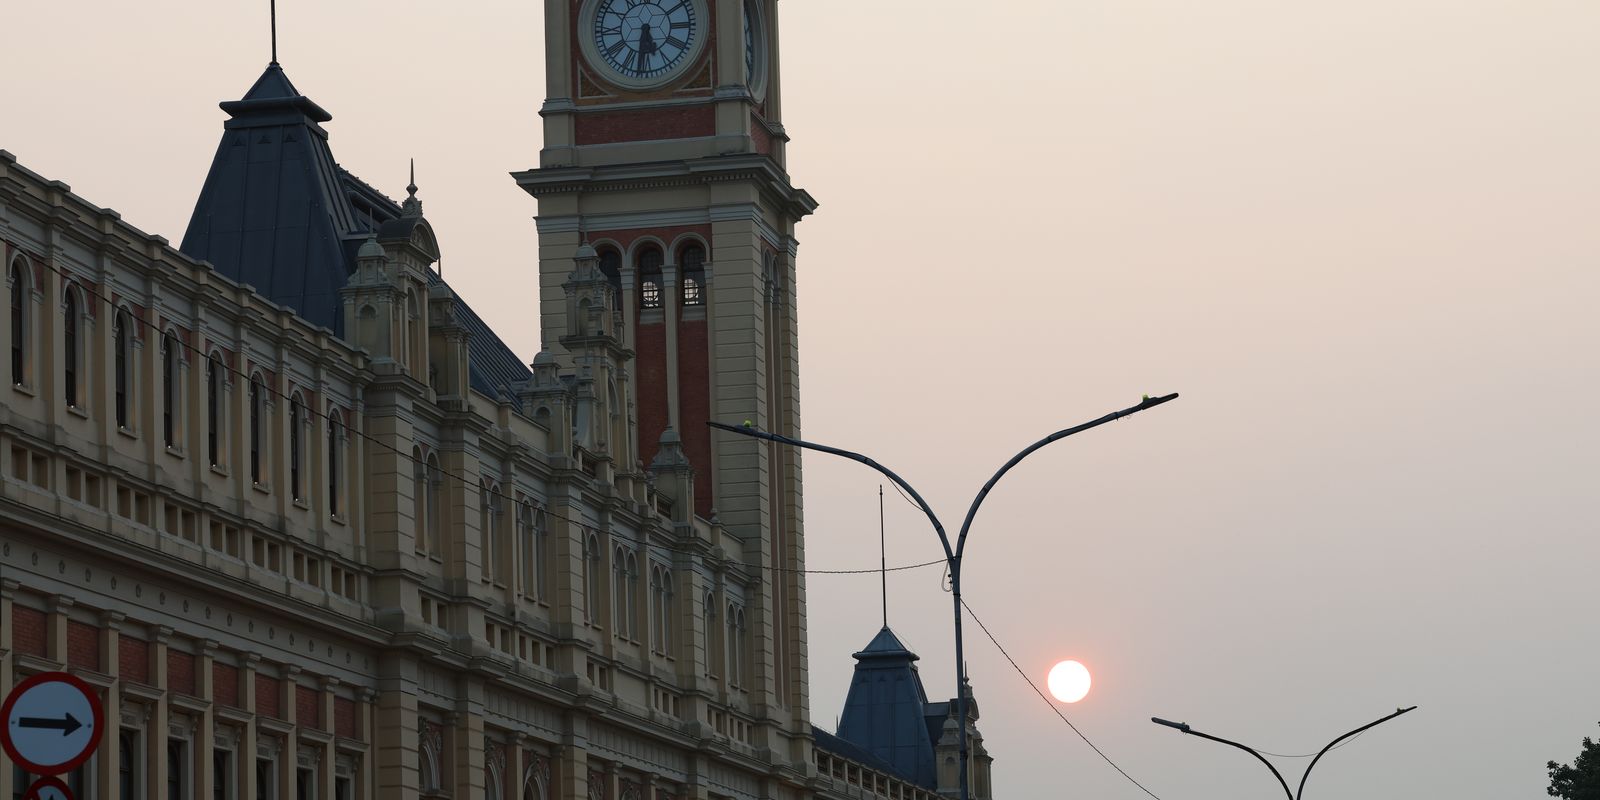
[(161, 335), (1047, 702), (1309, 755)]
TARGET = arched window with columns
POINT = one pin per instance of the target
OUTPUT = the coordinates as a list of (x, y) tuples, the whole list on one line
[(122, 367), (71, 342), (692, 266), (18, 274), (171, 395), (297, 448), (649, 263), (336, 462), (215, 406)]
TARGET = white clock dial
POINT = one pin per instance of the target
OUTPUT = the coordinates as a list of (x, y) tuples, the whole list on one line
[(645, 40)]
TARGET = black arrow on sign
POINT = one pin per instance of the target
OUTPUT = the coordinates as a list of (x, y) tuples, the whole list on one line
[(67, 724)]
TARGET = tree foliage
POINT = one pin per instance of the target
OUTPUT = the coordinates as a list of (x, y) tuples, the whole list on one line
[(1581, 780)]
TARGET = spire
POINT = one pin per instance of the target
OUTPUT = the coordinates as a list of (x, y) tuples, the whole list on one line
[(883, 560), (273, 14), (412, 207)]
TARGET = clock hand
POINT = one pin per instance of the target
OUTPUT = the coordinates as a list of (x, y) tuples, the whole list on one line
[(647, 47)]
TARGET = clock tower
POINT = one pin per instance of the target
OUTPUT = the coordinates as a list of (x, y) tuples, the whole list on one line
[(663, 170)]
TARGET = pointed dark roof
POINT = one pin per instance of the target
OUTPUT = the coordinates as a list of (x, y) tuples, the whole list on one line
[(277, 212), (272, 213), (886, 711)]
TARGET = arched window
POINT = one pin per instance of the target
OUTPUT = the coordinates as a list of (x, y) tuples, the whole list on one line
[(488, 533), (709, 614), (19, 322), (69, 366), (692, 264), (169, 389), (541, 554), (619, 593), (737, 658), (536, 779), (527, 582), (428, 757), (297, 420), (257, 411), (435, 507), (214, 409), (419, 500), (632, 573), (591, 578), (335, 461), (650, 278), (120, 337), (661, 609)]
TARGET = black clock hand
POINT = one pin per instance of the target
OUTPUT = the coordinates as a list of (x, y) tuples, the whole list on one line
[(647, 47)]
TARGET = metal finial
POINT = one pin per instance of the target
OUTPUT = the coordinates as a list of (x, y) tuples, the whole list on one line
[(274, 19), (412, 207), (411, 188), (883, 559)]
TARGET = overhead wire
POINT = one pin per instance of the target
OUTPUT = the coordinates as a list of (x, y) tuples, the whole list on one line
[(77, 282), (1053, 707)]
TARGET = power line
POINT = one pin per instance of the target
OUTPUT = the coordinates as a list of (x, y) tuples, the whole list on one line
[(202, 356), (1047, 702)]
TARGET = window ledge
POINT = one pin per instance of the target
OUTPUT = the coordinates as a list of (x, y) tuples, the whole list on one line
[(337, 519), (128, 432), (263, 488), (24, 389), (218, 469), (77, 411), (300, 503), (175, 451)]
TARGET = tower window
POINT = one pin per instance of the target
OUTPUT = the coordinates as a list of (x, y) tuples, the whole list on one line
[(69, 368), (122, 344), (296, 419), (19, 323), (169, 389), (214, 410), (255, 428), (335, 459), (650, 278), (693, 260)]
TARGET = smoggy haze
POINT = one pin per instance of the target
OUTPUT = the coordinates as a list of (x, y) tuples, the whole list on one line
[(1359, 237)]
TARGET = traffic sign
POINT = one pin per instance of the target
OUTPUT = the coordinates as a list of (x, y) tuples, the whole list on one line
[(52, 723), (48, 789)]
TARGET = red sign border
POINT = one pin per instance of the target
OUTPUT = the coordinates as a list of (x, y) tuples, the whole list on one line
[(49, 781), (75, 682)]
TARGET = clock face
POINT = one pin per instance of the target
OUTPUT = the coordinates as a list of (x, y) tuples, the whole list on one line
[(754, 75), (645, 40)]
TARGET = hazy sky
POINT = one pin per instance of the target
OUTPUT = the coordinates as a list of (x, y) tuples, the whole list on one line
[(1359, 237)]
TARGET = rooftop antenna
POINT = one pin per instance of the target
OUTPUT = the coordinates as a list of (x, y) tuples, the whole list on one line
[(274, 18), (883, 559)]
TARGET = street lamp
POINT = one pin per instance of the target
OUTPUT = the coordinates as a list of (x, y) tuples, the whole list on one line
[(1184, 726), (952, 554)]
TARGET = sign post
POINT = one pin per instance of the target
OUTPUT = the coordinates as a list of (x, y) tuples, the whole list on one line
[(52, 723)]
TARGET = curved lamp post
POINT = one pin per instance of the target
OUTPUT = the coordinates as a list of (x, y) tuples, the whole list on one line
[(1184, 726), (952, 553)]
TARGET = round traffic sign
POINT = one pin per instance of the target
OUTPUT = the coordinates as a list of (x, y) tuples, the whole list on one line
[(48, 789), (52, 723)]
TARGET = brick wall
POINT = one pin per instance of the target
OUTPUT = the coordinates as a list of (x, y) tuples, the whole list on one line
[(225, 685), (344, 718), (180, 672), (308, 707), (28, 633), (268, 702), (83, 645), (608, 127), (133, 659)]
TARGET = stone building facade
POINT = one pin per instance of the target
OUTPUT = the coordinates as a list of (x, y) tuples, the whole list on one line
[(316, 533)]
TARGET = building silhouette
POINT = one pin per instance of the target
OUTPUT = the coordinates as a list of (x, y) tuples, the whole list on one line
[(317, 533)]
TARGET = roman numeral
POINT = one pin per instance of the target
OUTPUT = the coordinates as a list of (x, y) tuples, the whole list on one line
[(681, 26), (678, 43), (614, 49)]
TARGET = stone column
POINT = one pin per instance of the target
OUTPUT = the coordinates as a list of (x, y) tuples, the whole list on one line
[(249, 738), (669, 302), (106, 766), (394, 741), (205, 733)]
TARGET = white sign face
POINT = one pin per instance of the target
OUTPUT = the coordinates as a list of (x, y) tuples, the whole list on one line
[(52, 723), (48, 789)]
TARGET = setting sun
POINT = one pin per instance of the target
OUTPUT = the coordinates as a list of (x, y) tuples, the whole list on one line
[(1069, 681)]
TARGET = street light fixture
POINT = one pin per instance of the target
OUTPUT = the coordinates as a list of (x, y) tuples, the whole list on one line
[(1184, 727), (953, 553)]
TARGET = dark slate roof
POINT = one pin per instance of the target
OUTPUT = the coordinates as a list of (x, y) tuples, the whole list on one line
[(886, 711), (845, 749), (277, 212)]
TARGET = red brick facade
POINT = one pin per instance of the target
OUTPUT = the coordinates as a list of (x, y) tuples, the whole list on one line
[(180, 672), (344, 718), (225, 685), (83, 646), (133, 659), (308, 707), (644, 125), (28, 632), (268, 701), (694, 407)]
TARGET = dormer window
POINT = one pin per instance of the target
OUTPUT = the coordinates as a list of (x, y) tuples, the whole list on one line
[(693, 260), (650, 279)]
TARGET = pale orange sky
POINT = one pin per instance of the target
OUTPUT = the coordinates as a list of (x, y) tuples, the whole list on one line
[(1359, 237)]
